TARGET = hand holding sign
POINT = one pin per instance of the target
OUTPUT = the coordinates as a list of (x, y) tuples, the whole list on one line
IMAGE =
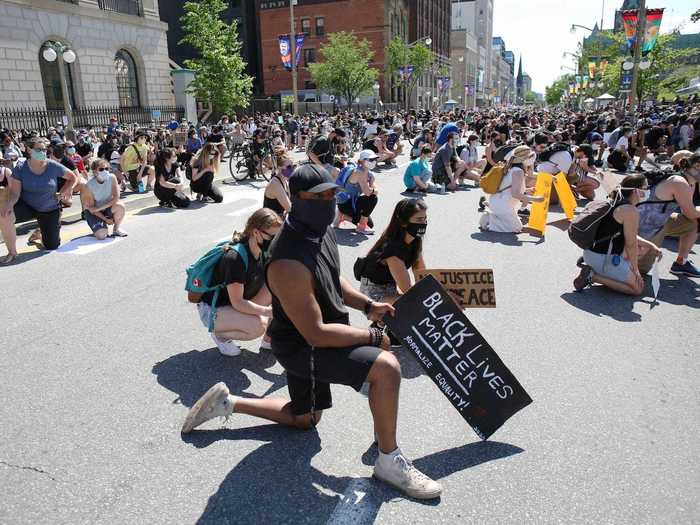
[(456, 357)]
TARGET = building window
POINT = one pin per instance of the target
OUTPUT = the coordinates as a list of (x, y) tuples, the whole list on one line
[(306, 25), (309, 56), (127, 83), (309, 85), (320, 26), (51, 81)]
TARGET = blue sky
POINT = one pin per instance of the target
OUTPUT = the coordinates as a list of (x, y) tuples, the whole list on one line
[(541, 30)]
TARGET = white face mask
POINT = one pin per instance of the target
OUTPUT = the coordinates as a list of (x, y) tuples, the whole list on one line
[(595, 147), (645, 195), (371, 164), (102, 175)]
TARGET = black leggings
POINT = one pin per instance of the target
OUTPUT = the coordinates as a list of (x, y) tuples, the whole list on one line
[(364, 206), (205, 186), (49, 223), (170, 196)]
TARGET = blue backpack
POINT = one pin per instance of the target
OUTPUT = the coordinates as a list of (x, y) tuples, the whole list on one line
[(200, 275), (341, 180)]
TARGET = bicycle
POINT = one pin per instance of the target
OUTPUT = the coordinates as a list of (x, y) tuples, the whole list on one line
[(247, 167)]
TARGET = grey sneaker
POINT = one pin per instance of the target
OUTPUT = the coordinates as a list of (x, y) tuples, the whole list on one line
[(216, 402), (399, 472)]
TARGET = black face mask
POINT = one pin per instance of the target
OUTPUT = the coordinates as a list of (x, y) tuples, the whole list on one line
[(416, 230), (314, 215), (265, 245)]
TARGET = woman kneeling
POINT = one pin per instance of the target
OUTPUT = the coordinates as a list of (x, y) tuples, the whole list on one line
[(100, 200)]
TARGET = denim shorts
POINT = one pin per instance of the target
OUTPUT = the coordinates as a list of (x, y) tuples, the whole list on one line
[(204, 309), (602, 264), (377, 292)]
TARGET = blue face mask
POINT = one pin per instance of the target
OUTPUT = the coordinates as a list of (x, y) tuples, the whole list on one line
[(70, 151), (38, 154)]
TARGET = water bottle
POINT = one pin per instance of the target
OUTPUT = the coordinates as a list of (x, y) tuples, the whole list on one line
[(142, 187), (442, 188)]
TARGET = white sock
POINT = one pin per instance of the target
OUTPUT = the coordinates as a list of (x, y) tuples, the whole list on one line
[(391, 454)]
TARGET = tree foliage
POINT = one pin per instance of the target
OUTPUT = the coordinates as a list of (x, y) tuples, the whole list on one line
[(220, 71), (399, 55), (695, 16), (555, 92), (344, 67)]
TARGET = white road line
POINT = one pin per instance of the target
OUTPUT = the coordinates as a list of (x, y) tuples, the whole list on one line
[(356, 505), (85, 245), (244, 211)]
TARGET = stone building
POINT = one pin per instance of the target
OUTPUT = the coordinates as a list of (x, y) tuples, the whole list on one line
[(119, 49)]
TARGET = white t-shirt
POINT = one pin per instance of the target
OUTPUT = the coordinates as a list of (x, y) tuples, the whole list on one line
[(559, 161), (622, 144)]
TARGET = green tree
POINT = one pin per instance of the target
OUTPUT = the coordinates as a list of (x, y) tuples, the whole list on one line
[(399, 55), (344, 69), (554, 93), (220, 76), (695, 16)]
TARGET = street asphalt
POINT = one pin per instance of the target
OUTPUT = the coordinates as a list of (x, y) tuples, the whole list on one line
[(101, 357)]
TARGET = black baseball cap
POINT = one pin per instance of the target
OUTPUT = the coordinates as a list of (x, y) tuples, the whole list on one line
[(340, 132), (312, 178)]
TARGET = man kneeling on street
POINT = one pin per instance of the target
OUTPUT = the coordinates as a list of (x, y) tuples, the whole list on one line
[(313, 340)]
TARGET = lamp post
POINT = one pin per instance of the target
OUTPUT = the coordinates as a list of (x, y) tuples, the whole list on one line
[(54, 50), (293, 45), (428, 42), (376, 95)]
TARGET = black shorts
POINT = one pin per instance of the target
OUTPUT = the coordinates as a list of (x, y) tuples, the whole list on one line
[(341, 366), (96, 223)]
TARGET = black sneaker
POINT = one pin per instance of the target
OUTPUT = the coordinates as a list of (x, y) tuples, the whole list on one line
[(584, 279), (688, 268), (524, 212), (482, 203)]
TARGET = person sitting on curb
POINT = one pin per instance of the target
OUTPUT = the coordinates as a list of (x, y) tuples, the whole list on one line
[(312, 338), (612, 260), (243, 305), (418, 174), (100, 200), (670, 211)]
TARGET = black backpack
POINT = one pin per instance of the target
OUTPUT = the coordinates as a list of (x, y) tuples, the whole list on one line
[(554, 148), (657, 176), (583, 230)]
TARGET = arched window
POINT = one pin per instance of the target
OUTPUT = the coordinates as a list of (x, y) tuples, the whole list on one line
[(51, 81), (127, 83)]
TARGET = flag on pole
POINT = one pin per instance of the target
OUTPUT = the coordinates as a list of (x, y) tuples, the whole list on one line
[(592, 69), (285, 52), (300, 43), (654, 17), (629, 21)]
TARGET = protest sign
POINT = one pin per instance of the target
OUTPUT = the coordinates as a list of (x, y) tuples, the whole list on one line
[(180, 138), (456, 357), (538, 215), (470, 288)]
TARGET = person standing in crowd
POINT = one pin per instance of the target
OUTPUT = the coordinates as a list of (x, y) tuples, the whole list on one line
[(261, 153), (359, 196), (100, 200), (502, 209), (134, 162), (385, 274), (276, 197), (169, 188), (418, 173), (33, 189), (312, 338), (669, 212), (205, 165), (243, 306), (291, 127), (612, 260)]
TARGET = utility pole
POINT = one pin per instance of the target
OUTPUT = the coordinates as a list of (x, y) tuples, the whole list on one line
[(293, 44), (638, 44)]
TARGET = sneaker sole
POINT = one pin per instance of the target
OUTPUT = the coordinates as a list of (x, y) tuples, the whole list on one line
[(408, 492), (681, 272), (217, 390)]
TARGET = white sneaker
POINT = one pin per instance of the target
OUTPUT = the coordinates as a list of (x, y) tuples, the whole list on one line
[(397, 471), (216, 402), (227, 348)]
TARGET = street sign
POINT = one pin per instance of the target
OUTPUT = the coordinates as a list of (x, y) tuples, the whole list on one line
[(155, 114), (456, 357)]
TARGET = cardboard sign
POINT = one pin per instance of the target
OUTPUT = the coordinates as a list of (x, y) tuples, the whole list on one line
[(566, 196), (538, 215), (456, 357), (179, 138), (469, 288)]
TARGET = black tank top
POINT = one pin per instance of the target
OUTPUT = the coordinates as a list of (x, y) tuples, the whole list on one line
[(274, 204), (609, 227), (323, 261)]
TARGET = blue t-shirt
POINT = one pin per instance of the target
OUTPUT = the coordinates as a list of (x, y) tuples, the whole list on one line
[(414, 169), (39, 190), (446, 130)]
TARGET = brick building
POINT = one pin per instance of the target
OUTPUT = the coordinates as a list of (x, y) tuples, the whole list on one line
[(378, 21), (120, 53)]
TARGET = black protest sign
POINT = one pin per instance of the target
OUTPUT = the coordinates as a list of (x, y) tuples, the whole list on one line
[(470, 288), (456, 357)]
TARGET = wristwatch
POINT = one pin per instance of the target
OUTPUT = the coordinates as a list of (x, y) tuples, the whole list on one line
[(368, 306)]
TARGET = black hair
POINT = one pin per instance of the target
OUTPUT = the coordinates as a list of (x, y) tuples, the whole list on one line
[(426, 150), (403, 211)]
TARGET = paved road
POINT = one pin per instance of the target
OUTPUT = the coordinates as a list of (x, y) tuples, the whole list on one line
[(101, 357)]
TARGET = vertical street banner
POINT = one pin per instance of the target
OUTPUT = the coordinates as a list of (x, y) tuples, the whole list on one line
[(603, 66), (300, 44), (285, 52), (592, 69), (457, 358), (584, 82), (652, 27), (538, 215), (439, 83), (629, 21)]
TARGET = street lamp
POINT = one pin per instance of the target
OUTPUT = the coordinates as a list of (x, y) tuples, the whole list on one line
[(376, 95), (574, 26), (55, 50), (424, 40)]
